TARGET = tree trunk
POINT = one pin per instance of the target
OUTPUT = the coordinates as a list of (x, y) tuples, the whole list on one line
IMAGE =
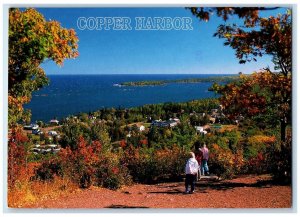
[(283, 125)]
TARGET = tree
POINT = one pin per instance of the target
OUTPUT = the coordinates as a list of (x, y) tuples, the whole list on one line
[(99, 133), (33, 40), (268, 92), (260, 94), (71, 132)]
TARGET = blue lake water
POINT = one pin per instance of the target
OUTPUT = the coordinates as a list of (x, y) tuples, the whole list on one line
[(72, 94)]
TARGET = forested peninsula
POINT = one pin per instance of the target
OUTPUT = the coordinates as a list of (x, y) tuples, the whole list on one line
[(223, 78)]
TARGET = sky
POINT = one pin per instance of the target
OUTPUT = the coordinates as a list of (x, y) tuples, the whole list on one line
[(148, 52)]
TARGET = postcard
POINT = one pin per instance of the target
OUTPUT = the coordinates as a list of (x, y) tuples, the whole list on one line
[(150, 107)]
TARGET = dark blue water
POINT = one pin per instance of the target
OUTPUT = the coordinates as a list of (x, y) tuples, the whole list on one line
[(71, 94)]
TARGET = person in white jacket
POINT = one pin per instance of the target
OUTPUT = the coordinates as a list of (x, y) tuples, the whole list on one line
[(191, 169)]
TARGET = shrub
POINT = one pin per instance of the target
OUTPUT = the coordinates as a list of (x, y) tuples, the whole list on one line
[(78, 163), (225, 163), (17, 156), (138, 162), (279, 160), (86, 165), (48, 170), (255, 151), (34, 191), (256, 164), (109, 172), (149, 165), (257, 144), (171, 161)]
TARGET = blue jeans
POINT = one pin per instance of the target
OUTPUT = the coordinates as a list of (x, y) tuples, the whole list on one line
[(204, 166)]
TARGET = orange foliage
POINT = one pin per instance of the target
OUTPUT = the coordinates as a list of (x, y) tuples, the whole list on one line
[(21, 189), (257, 93), (123, 143), (17, 153), (144, 142), (81, 159)]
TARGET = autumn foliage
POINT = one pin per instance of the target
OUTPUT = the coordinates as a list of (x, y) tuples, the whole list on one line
[(262, 94), (149, 165), (267, 93), (88, 164), (79, 163), (17, 154), (224, 162), (32, 40)]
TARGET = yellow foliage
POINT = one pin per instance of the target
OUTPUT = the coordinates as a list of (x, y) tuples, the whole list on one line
[(29, 192), (262, 139)]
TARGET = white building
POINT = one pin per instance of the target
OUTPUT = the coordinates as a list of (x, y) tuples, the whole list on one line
[(142, 128), (54, 121), (200, 130)]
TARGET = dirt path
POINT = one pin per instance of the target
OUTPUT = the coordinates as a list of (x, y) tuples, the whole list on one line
[(243, 192)]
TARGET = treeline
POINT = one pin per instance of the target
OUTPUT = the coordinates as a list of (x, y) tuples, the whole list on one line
[(120, 122), (226, 79)]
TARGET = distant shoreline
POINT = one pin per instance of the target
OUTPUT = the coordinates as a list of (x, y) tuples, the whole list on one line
[(225, 78)]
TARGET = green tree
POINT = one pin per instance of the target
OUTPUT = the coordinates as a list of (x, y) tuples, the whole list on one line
[(99, 133), (32, 40), (71, 132)]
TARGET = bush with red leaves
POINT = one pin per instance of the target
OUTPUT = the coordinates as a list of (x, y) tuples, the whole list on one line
[(17, 156)]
